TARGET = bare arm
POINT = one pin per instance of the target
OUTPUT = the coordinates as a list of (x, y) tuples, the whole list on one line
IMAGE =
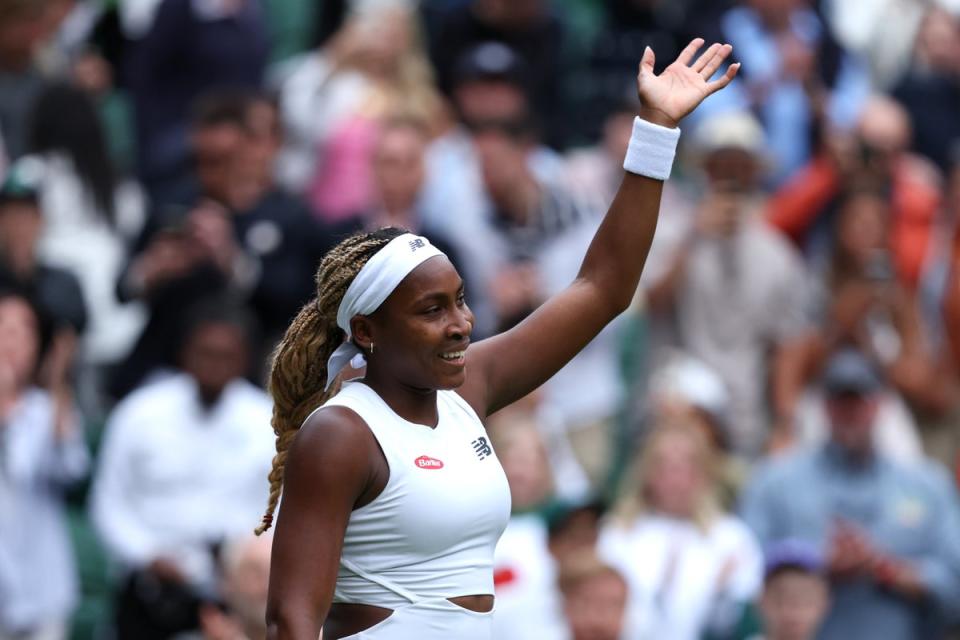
[(507, 367), (328, 469)]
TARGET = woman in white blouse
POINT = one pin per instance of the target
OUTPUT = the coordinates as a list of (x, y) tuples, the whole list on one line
[(690, 566)]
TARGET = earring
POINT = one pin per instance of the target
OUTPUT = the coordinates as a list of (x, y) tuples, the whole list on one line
[(371, 348)]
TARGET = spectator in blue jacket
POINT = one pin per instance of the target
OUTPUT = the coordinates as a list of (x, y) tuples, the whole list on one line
[(890, 533)]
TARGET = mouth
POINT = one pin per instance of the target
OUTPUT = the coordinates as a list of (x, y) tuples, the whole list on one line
[(455, 357)]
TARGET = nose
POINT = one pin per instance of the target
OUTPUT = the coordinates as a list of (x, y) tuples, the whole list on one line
[(461, 325)]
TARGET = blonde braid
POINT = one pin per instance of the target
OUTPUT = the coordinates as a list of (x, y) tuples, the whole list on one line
[(299, 372)]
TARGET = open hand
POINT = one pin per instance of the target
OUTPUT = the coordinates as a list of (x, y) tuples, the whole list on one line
[(667, 98)]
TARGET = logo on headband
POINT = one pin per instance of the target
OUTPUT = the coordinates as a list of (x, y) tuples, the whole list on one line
[(417, 244)]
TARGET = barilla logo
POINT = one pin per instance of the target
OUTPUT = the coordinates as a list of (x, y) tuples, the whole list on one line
[(426, 462)]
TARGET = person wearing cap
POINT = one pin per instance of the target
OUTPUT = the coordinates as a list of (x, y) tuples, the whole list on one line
[(502, 182), (890, 532), (533, 30), (724, 286), (393, 497), (685, 389)]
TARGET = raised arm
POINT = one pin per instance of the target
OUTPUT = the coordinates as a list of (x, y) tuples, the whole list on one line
[(510, 365)]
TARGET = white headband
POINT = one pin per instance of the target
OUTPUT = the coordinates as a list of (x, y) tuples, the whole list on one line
[(375, 282)]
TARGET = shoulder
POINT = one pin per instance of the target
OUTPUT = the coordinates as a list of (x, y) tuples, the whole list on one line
[(732, 530), (332, 459), (154, 398), (249, 396), (335, 436), (927, 478), (782, 470)]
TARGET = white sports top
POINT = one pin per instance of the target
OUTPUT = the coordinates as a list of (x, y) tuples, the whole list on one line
[(431, 533)]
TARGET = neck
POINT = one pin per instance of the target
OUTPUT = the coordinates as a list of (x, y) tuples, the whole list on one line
[(395, 215), (410, 403), (853, 457)]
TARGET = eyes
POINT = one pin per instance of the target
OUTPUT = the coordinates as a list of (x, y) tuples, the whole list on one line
[(435, 309)]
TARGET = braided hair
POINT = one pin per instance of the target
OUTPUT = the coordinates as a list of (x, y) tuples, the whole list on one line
[(299, 371)]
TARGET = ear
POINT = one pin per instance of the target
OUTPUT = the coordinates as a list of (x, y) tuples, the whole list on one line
[(363, 332)]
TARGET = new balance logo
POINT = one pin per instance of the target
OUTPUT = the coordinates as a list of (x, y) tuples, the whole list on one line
[(417, 244), (482, 448)]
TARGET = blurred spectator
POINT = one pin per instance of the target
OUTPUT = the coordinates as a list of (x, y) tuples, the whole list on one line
[(271, 225), (192, 47), (91, 72), (503, 185), (894, 432), (728, 289), (42, 452), (240, 234), (683, 389), (930, 91), (399, 175), (56, 291), (595, 598), (866, 28), (242, 591), (803, 207), (182, 470), (796, 594), (890, 532), (530, 29), (865, 306), (528, 604), (795, 77), (941, 305), (22, 28), (334, 99), (573, 527), (90, 217), (690, 566)]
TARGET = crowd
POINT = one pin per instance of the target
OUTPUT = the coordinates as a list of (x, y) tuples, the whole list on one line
[(766, 445)]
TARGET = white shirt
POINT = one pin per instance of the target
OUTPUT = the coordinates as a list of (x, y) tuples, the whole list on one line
[(174, 478), (525, 578), (673, 571), (77, 237)]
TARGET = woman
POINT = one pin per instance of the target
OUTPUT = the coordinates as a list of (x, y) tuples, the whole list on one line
[(393, 497), (90, 217), (690, 566), (42, 454), (334, 100)]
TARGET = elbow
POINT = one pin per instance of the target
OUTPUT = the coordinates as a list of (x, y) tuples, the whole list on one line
[(619, 301), (286, 621)]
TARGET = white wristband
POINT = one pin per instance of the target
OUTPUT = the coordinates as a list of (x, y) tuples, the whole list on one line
[(651, 149)]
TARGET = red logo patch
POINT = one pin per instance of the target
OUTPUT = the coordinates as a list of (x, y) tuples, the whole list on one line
[(504, 576), (426, 462)]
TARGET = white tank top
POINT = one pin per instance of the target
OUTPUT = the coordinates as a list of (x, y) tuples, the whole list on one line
[(431, 533)]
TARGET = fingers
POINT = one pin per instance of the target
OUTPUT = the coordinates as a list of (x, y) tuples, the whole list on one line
[(724, 80), (689, 51), (705, 57), (647, 61), (715, 61)]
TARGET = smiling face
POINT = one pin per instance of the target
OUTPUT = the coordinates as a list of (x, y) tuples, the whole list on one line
[(421, 332)]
